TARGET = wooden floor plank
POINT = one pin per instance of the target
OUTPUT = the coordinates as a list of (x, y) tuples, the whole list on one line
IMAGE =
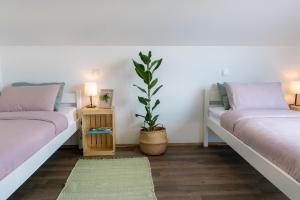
[(184, 172)]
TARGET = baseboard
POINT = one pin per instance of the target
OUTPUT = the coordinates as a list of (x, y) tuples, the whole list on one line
[(196, 144), (170, 145), (178, 144), (126, 145), (184, 144), (217, 144), (67, 146)]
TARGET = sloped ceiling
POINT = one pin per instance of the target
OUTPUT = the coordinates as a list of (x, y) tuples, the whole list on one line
[(150, 22)]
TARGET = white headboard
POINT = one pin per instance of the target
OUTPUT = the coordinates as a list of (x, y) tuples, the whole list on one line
[(73, 98), (212, 96)]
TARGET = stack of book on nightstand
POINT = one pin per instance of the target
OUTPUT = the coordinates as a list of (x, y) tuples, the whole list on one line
[(99, 130)]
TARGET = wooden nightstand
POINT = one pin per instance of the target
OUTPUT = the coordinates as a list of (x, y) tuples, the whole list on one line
[(296, 108), (96, 144)]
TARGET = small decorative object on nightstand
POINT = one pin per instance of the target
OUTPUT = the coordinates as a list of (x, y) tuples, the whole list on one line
[(106, 96), (98, 131)]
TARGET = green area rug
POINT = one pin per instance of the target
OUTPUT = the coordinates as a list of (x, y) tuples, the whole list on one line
[(110, 179)]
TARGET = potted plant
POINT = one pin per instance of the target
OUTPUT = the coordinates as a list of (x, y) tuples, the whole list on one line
[(153, 137)]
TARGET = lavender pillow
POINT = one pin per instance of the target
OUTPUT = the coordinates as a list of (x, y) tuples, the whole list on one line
[(28, 98), (255, 96)]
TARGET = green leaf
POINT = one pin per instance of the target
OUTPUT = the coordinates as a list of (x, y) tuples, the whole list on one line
[(146, 60), (156, 90), (147, 109), (158, 63), (143, 90), (148, 114), (153, 83), (153, 63), (143, 100), (155, 119), (157, 102), (152, 122), (156, 125), (149, 54), (140, 73), (148, 117), (138, 115), (140, 69), (138, 65), (148, 77)]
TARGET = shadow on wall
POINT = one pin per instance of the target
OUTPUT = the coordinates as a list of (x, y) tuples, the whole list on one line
[(120, 76), (193, 119)]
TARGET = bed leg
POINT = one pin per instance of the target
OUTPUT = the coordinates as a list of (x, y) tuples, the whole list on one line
[(205, 140)]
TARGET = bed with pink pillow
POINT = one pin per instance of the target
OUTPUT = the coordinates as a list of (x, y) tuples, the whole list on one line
[(262, 129), (30, 131), (261, 119)]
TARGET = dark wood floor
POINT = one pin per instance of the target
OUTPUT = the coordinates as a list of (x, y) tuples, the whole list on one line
[(187, 172)]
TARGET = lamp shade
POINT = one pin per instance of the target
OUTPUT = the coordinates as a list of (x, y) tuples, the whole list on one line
[(90, 89), (295, 87)]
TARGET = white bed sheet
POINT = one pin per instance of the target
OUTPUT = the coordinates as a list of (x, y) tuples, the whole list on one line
[(215, 112), (70, 113)]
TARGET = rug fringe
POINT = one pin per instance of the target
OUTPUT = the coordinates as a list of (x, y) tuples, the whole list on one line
[(110, 157)]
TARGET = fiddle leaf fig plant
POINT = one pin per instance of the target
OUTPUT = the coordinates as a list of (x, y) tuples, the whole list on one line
[(145, 70)]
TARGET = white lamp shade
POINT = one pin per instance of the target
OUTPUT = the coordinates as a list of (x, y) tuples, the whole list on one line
[(90, 89), (295, 87)]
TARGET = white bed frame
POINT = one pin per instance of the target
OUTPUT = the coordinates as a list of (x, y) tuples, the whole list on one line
[(16, 178), (283, 181)]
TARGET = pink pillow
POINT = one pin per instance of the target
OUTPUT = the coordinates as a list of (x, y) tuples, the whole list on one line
[(255, 96), (28, 98)]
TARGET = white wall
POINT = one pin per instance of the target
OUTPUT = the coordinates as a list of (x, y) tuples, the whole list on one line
[(155, 22), (185, 72)]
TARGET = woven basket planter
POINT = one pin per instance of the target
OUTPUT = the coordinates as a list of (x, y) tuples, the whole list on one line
[(154, 142)]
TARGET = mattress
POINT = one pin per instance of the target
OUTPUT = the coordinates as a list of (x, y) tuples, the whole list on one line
[(274, 134), (24, 133), (70, 113), (215, 112)]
